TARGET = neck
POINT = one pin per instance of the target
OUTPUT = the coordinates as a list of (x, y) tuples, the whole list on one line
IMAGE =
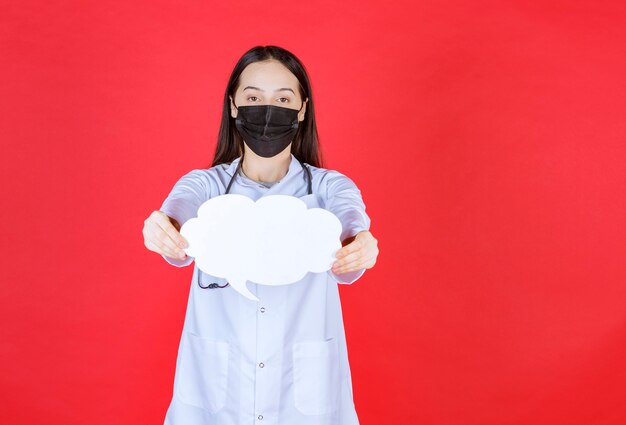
[(266, 170)]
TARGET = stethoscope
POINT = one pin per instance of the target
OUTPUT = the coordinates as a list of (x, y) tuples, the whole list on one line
[(307, 172)]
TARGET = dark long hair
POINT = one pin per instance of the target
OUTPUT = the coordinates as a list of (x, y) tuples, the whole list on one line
[(305, 145)]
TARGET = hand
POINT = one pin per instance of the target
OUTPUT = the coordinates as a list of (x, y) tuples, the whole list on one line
[(361, 253), (161, 235)]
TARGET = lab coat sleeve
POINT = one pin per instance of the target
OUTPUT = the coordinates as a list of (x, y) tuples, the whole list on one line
[(343, 198), (183, 201)]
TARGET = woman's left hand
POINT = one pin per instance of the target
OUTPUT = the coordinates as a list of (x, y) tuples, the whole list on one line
[(359, 254)]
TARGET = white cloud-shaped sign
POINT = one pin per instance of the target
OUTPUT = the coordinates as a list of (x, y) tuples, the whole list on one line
[(276, 240)]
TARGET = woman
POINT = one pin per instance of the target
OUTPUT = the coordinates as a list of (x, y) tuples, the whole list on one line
[(282, 360)]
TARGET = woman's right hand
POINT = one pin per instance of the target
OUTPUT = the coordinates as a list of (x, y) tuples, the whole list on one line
[(161, 235)]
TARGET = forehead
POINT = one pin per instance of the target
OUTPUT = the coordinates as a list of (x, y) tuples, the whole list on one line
[(267, 75)]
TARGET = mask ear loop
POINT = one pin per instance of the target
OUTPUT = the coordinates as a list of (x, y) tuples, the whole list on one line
[(233, 100), (296, 123)]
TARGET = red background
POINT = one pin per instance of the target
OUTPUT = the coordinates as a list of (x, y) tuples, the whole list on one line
[(488, 141)]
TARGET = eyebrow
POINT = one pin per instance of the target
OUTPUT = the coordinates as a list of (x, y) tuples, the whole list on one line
[(256, 88)]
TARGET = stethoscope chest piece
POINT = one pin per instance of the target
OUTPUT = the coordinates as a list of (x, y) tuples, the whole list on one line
[(213, 285)]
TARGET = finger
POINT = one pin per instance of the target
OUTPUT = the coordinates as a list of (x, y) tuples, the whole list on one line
[(165, 243), (353, 265), (162, 249), (166, 225), (347, 259), (360, 262), (348, 249), (351, 262)]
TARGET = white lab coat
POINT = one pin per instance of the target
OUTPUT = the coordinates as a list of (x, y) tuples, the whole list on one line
[(280, 361)]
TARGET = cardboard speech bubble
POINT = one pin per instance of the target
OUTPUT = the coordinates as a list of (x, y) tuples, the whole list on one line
[(276, 240)]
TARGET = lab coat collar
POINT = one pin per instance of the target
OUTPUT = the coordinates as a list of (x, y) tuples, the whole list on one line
[(294, 168)]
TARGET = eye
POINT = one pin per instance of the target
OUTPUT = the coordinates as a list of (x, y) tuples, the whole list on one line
[(286, 99), (252, 97)]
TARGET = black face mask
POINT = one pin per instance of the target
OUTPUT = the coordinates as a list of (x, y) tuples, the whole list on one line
[(267, 129)]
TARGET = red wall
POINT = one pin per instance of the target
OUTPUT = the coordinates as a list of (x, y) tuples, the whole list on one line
[(487, 138)]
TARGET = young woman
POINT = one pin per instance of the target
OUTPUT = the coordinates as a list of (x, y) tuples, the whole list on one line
[(282, 360)]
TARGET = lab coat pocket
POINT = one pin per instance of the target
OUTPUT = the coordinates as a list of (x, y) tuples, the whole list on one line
[(316, 376), (202, 375)]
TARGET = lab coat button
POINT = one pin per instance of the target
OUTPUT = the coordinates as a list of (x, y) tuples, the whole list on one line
[(262, 309), (260, 417), (261, 364)]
